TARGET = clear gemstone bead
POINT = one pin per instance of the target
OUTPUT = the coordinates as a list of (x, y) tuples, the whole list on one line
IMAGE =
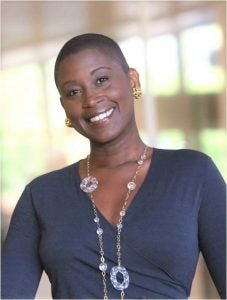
[(99, 231), (122, 213), (143, 157), (119, 226), (131, 185), (96, 219), (103, 267)]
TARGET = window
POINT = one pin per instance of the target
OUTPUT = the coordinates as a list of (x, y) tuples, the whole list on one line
[(163, 65), (202, 72)]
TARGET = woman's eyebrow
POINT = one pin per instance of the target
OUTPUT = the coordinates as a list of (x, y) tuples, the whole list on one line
[(67, 82), (99, 68), (92, 72)]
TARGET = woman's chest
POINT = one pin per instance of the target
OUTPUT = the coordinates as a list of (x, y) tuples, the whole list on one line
[(157, 231)]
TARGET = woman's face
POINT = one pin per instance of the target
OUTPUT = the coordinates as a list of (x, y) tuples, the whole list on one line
[(96, 95)]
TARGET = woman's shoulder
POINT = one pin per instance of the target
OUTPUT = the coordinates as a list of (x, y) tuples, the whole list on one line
[(181, 154), (182, 159), (55, 177), (192, 165)]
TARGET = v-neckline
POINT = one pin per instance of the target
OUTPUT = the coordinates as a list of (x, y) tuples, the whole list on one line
[(132, 204)]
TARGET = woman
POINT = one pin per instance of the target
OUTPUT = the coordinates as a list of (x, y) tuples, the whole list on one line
[(129, 220)]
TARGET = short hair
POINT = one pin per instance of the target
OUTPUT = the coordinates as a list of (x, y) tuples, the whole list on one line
[(91, 41)]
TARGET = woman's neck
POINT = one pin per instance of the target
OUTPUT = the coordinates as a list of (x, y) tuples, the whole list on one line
[(115, 154)]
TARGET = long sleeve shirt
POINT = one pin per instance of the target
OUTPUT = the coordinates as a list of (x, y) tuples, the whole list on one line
[(178, 212)]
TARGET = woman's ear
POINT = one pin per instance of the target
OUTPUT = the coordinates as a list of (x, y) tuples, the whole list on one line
[(134, 78)]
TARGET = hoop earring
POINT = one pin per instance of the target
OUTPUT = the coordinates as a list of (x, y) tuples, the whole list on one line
[(137, 93), (68, 122)]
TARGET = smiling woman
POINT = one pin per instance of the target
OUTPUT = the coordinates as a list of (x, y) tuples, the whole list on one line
[(96, 93), (128, 221)]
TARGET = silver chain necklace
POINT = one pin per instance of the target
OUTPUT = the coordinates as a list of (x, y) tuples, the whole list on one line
[(89, 184)]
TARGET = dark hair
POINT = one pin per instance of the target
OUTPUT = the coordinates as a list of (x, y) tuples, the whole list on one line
[(91, 41)]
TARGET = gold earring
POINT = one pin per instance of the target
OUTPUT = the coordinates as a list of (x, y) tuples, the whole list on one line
[(68, 122), (137, 93)]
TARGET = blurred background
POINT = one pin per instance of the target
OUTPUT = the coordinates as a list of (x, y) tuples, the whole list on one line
[(179, 49)]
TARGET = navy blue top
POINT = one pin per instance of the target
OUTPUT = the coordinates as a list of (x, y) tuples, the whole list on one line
[(178, 212)]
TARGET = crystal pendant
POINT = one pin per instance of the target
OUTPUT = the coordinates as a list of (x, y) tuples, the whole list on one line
[(89, 184), (120, 286)]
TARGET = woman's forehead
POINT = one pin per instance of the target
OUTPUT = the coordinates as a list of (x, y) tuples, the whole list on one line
[(92, 55), (85, 64), (91, 58)]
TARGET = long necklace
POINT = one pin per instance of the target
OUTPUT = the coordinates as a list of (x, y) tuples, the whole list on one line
[(89, 184)]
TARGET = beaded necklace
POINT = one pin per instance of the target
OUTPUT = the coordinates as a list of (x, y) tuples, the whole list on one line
[(89, 184)]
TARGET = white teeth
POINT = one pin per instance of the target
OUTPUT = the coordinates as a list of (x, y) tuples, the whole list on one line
[(102, 116)]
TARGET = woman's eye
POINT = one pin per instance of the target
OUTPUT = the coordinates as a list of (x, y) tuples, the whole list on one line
[(73, 92), (102, 79)]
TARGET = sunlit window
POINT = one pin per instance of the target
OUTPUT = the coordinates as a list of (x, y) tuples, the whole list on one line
[(134, 51), (55, 110), (171, 139), (33, 135), (22, 128), (201, 46), (162, 61)]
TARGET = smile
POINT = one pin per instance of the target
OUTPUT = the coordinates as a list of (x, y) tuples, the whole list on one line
[(101, 116)]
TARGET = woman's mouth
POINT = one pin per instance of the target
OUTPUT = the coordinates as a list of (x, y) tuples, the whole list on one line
[(102, 116)]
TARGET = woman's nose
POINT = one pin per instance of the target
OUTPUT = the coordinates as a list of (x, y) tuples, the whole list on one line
[(91, 98)]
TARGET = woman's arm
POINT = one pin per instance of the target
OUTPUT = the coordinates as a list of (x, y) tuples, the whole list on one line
[(21, 266), (212, 227)]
